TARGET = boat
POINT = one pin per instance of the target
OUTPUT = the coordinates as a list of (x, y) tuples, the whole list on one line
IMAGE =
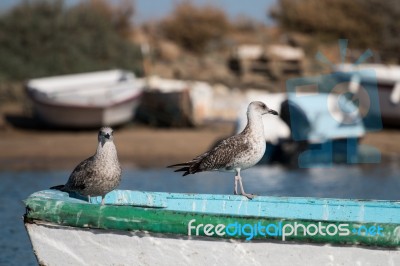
[(311, 128), (86, 100), (372, 81), (275, 60), (159, 228), (175, 103)]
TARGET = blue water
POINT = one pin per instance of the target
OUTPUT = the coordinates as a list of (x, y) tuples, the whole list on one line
[(380, 181)]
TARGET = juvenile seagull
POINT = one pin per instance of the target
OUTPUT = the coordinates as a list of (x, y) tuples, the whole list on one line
[(235, 153), (99, 174)]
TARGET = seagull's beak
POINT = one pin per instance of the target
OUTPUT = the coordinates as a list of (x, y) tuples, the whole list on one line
[(107, 136), (270, 111)]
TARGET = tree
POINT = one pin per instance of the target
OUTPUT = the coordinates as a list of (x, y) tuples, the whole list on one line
[(367, 23), (193, 28), (44, 38)]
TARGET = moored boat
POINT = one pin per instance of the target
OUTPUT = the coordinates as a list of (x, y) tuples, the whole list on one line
[(175, 103), (103, 98), (311, 129), (379, 80), (156, 228)]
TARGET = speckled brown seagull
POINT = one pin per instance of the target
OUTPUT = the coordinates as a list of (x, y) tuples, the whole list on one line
[(235, 153), (99, 174)]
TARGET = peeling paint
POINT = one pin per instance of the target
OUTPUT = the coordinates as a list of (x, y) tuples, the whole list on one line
[(179, 209)]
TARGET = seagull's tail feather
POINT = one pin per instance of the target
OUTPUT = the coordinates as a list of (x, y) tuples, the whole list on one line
[(188, 168), (59, 187), (178, 164), (183, 169)]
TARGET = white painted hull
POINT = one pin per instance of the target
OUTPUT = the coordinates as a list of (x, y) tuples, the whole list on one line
[(387, 78), (103, 98), (85, 117), (60, 245)]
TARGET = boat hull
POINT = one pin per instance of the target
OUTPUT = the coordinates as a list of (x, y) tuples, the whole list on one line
[(158, 228), (61, 245), (86, 117), (86, 100), (383, 79), (389, 111)]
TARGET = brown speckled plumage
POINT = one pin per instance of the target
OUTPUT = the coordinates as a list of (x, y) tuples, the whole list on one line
[(235, 153), (98, 174)]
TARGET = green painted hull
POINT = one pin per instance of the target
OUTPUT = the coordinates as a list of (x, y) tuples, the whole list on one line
[(161, 219)]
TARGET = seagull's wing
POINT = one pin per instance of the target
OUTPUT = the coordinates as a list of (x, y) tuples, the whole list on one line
[(220, 157), (223, 155), (83, 171)]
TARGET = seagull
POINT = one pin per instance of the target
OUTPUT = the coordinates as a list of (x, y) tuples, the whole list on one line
[(235, 153), (98, 174)]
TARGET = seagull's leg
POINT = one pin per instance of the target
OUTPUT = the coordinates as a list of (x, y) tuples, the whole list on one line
[(249, 196), (88, 198), (102, 200), (236, 182)]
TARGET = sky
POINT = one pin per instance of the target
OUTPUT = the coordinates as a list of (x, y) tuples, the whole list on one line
[(156, 9)]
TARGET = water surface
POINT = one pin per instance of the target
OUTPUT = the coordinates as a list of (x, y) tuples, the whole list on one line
[(369, 182)]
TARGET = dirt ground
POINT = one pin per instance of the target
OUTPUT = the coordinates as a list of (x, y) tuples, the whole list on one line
[(138, 146), (387, 141)]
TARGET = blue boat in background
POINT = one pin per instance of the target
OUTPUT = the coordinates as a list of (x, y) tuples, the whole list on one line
[(378, 83), (313, 128)]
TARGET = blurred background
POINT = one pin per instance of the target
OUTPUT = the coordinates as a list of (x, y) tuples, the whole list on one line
[(174, 77)]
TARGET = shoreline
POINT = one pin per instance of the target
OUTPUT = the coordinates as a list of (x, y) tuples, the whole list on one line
[(138, 146)]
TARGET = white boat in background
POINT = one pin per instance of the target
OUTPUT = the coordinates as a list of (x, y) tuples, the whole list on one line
[(386, 78), (175, 103), (103, 98)]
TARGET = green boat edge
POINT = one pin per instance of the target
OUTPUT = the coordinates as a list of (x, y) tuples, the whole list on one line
[(158, 220)]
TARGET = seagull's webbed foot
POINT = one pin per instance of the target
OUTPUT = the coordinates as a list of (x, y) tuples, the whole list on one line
[(249, 196)]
